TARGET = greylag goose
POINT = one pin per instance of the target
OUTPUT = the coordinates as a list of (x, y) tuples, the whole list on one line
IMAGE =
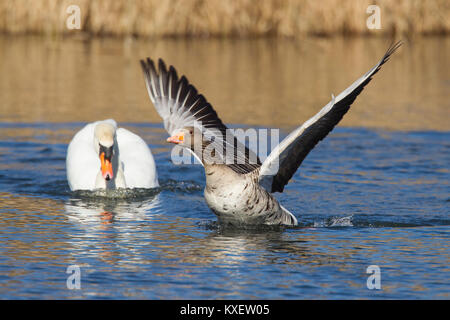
[(238, 186), (102, 156)]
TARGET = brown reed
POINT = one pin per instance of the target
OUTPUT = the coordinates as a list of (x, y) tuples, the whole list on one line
[(291, 18)]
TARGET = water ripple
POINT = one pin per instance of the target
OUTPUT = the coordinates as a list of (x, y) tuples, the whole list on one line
[(362, 197)]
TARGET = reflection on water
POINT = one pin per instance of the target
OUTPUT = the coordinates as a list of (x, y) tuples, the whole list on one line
[(270, 82), (106, 211)]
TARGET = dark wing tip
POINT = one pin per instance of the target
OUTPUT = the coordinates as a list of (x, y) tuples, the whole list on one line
[(173, 72), (392, 48), (162, 66), (148, 64), (151, 65), (184, 80), (143, 64)]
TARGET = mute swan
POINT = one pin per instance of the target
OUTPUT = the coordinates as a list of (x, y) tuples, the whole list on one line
[(239, 191), (103, 156)]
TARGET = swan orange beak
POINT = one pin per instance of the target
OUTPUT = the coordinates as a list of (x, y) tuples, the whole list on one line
[(106, 166), (178, 138)]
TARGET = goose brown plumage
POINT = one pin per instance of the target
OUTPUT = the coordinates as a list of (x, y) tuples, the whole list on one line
[(238, 186)]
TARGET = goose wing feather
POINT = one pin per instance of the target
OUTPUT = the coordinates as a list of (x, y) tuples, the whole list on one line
[(284, 160)]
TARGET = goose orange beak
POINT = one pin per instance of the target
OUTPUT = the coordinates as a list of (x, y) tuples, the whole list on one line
[(106, 166), (178, 138)]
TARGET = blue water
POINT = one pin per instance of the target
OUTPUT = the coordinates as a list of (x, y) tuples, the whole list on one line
[(362, 197)]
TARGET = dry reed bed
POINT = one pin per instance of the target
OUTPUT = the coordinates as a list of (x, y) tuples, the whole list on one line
[(225, 17)]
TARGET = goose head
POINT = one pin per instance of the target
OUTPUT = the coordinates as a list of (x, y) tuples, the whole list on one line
[(187, 137), (104, 137), (208, 145)]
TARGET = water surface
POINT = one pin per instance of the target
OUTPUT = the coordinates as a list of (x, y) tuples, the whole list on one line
[(269, 82), (357, 205), (374, 192)]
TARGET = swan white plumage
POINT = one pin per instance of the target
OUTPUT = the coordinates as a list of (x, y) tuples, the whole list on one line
[(102, 156)]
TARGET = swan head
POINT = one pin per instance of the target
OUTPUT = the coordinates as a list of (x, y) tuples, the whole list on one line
[(104, 134)]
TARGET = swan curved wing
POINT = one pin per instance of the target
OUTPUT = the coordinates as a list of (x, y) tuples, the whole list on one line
[(180, 105), (285, 159), (137, 160)]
